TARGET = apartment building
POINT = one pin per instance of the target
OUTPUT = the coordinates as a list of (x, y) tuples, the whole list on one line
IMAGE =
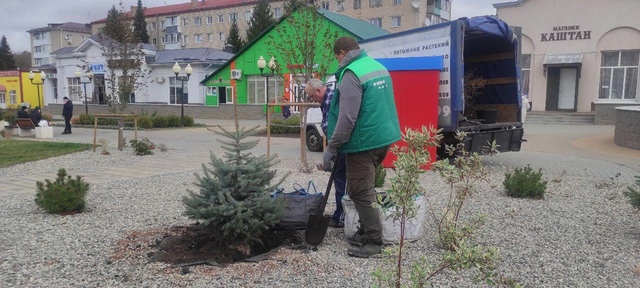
[(206, 23), (55, 36)]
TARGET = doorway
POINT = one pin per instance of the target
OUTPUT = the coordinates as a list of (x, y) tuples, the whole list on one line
[(562, 88), (98, 90)]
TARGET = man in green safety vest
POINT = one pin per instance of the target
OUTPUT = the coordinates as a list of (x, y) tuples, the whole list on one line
[(362, 123)]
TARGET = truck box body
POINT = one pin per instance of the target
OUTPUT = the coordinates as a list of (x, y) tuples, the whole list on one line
[(483, 47)]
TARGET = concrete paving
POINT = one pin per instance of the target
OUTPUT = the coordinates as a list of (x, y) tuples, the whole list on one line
[(585, 151)]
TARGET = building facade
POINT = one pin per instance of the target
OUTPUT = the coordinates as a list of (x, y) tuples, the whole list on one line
[(206, 23), (572, 62), (16, 89), (53, 37)]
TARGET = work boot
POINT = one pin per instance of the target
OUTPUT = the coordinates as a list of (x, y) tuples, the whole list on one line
[(358, 238), (367, 250)]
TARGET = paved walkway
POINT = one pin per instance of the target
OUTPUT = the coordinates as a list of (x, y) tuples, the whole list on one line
[(578, 151)]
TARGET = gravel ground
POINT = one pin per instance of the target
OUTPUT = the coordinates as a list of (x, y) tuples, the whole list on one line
[(584, 234)]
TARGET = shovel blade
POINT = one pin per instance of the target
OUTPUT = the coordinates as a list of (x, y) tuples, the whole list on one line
[(316, 229)]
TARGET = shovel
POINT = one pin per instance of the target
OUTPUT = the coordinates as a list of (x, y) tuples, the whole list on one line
[(317, 224)]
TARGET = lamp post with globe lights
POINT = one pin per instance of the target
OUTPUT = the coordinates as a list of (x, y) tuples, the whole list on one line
[(38, 84), (176, 70), (80, 78)]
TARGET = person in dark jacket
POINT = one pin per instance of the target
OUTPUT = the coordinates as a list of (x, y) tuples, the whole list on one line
[(35, 116), (23, 112), (67, 113)]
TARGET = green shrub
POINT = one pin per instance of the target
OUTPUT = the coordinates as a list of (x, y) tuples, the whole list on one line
[(380, 175), (289, 126), (128, 121), (86, 119), (107, 121), (145, 122), (143, 147), (524, 183), (160, 122), (634, 194), (65, 195), (10, 118), (188, 121), (173, 121)]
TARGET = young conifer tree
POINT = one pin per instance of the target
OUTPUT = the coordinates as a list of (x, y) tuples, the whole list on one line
[(234, 194), (234, 39), (261, 19)]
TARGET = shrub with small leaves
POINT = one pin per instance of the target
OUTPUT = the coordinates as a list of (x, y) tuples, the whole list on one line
[(173, 121), (145, 122), (75, 120), (142, 147), (62, 196), (86, 119), (525, 183), (10, 118), (634, 194), (162, 147), (188, 121), (160, 122)]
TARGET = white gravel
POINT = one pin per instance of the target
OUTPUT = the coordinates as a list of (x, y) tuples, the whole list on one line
[(584, 234)]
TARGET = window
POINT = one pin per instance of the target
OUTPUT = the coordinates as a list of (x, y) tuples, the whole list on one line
[(375, 3), (73, 89), (397, 2), (210, 37), (209, 19), (356, 4), (340, 6), (185, 39), (13, 97), (171, 21), (154, 25), (154, 41), (619, 75), (277, 12), (396, 21), (3, 97), (325, 5), (171, 38), (221, 36), (197, 38), (212, 90), (376, 21), (185, 22), (175, 90), (257, 87), (526, 73), (37, 61), (247, 15), (233, 17), (197, 21), (36, 36), (220, 18)]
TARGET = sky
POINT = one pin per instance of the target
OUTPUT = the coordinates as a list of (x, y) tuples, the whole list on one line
[(16, 17)]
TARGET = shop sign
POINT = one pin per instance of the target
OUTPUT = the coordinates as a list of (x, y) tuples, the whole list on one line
[(561, 33), (97, 68), (9, 73), (52, 76)]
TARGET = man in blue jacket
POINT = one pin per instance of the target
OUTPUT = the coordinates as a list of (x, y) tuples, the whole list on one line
[(67, 113), (362, 124)]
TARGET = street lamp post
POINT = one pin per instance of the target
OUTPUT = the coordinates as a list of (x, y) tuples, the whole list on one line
[(272, 69), (84, 85), (37, 83), (187, 70)]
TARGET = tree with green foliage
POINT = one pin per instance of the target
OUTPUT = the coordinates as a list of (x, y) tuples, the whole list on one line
[(261, 20), (140, 25), (296, 41), (235, 40), (125, 59), (23, 60), (6, 57), (233, 198)]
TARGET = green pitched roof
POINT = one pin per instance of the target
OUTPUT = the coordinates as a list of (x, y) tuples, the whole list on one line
[(362, 29)]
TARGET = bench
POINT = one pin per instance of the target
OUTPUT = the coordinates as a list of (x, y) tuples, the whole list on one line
[(26, 127)]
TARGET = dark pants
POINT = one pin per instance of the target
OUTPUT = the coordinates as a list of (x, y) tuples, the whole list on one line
[(361, 175), (340, 180), (67, 124)]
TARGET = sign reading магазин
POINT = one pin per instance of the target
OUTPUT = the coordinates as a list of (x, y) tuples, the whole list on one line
[(561, 33)]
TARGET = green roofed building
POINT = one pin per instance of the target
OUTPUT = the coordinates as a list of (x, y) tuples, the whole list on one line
[(240, 76)]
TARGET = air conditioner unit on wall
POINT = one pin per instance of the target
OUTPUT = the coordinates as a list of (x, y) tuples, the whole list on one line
[(236, 74), (159, 79)]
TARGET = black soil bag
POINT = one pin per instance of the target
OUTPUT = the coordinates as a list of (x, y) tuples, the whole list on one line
[(298, 205)]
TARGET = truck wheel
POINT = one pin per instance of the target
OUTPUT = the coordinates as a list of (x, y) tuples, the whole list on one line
[(314, 140)]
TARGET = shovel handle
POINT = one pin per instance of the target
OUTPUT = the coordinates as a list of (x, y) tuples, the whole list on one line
[(331, 177)]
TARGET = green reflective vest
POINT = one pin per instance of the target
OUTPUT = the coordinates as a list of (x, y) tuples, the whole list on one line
[(377, 124)]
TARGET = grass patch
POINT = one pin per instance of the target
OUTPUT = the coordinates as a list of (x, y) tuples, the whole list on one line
[(21, 151)]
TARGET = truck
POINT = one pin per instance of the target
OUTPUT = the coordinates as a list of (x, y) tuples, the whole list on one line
[(479, 86)]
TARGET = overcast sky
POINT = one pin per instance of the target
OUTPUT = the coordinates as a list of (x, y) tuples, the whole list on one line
[(18, 16)]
